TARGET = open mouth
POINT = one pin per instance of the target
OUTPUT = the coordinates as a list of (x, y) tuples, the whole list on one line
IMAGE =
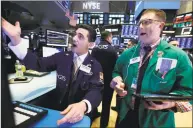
[(142, 34), (74, 45)]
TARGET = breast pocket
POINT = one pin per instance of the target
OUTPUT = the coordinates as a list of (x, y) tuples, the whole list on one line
[(84, 84), (164, 84)]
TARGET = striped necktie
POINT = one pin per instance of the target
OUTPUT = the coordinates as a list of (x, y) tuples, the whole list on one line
[(75, 60)]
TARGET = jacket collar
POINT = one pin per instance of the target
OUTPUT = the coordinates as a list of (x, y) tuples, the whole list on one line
[(162, 46), (105, 41), (161, 49)]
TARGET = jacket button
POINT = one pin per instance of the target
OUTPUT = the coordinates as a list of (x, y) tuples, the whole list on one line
[(66, 84)]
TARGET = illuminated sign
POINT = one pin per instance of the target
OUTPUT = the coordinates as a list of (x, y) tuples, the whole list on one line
[(91, 5)]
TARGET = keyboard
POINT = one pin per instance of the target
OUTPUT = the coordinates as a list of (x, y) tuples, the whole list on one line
[(25, 114)]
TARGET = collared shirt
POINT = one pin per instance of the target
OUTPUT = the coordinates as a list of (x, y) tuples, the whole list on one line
[(153, 47), (79, 59)]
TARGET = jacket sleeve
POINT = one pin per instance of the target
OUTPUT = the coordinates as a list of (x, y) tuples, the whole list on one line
[(183, 84), (43, 64), (94, 94)]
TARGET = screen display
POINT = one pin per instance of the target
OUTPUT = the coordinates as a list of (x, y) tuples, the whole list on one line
[(183, 20), (185, 42), (189, 43), (55, 38), (115, 40), (98, 40), (129, 30)]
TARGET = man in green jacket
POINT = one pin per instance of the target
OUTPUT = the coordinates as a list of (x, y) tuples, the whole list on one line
[(152, 66)]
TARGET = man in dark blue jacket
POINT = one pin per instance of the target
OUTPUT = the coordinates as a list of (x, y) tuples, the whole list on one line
[(106, 55), (79, 84)]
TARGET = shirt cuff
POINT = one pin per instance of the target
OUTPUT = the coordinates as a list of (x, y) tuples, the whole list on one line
[(89, 105), (183, 107), (20, 50)]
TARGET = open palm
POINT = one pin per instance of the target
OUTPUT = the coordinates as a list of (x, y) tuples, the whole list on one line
[(12, 31)]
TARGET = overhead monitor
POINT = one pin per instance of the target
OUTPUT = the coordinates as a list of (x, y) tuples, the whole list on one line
[(129, 30), (185, 42), (55, 38)]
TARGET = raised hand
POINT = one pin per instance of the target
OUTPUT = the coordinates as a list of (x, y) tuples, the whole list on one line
[(12, 31), (118, 85)]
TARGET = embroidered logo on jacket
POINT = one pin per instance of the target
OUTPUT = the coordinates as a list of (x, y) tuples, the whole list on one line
[(61, 77)]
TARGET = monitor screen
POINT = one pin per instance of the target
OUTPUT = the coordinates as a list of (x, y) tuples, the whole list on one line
[(98, 40), (55, 38), (189, 43), (115, 40), (185, 42), (129, 30), (49, 51)]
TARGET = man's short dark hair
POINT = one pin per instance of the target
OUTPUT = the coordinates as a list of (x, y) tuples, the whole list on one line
[(133, 41), (105, 35), (91, 32)]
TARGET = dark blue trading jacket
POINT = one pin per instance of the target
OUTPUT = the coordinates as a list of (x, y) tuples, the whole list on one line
[(85, 86)]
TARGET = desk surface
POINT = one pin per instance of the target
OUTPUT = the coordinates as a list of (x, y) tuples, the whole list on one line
[(25, 92), (50, 120)]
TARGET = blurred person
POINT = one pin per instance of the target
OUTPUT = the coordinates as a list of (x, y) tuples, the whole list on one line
[(131, 43), (106, 55), (174, 43)]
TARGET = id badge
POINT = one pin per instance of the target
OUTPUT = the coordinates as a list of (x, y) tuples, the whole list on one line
[(134, 88), (135, 60), (85, 68), (134, 84)]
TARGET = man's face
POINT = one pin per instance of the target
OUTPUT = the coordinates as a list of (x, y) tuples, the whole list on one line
[(174, 43), (129, 45), (80, 41), (149, 28)]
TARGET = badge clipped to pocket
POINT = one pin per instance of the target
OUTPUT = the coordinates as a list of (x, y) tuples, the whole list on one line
[(135, 60), (85, 68), (134, 84)]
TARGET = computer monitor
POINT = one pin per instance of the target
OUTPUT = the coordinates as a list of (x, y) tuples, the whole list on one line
[(48, 51), (55, 38), (129, 30), (115, 40), (98, 40)]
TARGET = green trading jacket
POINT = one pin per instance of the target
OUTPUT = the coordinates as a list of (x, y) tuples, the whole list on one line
[(177, 80)]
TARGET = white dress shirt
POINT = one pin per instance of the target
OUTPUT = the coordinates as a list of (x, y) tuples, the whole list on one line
[(20, 51)]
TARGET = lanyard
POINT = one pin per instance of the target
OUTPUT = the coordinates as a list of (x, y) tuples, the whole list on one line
[(141, 63)]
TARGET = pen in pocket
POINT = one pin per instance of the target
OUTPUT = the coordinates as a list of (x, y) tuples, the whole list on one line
[(157, 73), (163, 76)]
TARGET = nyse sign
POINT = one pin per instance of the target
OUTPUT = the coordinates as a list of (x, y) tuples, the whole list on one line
[(91, 5)]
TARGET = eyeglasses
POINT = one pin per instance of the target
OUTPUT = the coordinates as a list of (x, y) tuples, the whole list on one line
[(147, 22)]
